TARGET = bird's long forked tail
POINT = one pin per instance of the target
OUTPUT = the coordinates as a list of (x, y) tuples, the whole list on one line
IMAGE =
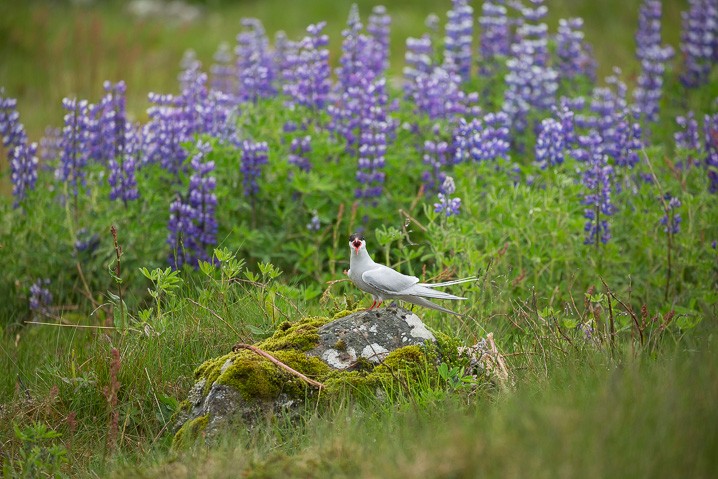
[(419, 301), (449, 283), (422, 290)]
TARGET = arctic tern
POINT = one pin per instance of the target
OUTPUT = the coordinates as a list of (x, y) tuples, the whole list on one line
[(383, 282)]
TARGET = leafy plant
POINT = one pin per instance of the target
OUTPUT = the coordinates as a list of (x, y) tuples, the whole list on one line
[(39, 455), (164, 282)]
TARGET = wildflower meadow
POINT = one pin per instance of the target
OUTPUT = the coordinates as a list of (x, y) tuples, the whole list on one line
[(137, 242)]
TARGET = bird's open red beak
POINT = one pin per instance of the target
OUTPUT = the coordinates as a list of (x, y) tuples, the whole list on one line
[(356, 246)]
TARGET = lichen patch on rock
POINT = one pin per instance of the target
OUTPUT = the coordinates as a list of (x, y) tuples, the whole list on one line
[(375, 352), (418, 329)]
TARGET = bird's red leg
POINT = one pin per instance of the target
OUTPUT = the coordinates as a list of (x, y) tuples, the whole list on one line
[(379, 303), (372, 305)]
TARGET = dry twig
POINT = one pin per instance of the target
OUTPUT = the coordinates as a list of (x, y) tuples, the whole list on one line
[(277, 362)]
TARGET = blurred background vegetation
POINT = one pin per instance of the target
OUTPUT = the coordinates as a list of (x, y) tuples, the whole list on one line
[(53, 49)]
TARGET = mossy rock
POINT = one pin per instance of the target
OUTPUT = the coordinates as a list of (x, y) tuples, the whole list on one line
[(360, 353)]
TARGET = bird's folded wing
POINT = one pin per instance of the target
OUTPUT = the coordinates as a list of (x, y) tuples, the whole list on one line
[(387, 280)]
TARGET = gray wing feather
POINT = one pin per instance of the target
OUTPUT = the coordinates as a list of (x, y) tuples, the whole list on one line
[(387, 280)]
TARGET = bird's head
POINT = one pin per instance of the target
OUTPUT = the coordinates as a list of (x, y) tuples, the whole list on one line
[(356, 242)]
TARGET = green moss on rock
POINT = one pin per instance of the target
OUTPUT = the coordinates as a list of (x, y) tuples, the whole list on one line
[(301, 335), (256, 378), (190, 432), (447, 348)]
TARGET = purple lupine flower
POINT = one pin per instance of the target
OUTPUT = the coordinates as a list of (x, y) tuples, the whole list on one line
[(647, 95), (550, 144), (448, 206), (193, 96), (354, 107), (223, 75), (22, 155), (530, 83), (378, 26), (533, 32), (182, 234), (484, 139), (75, 153), (285, 59), (495, 35), (254, 156), (307, 73), (314, 224), (615, 122), (86, 242), (300, 149), (123, 184), (627, 141), (578, 106), (355, 48), (699, 38), (165, 132), (193, 226), (290, 126), (219, 115), (201, 110), (574, 54), (459, 37), (648, 33), (710, 128), (567, 118), (437, 155), (376, 128), (174, 120), (110, 135), (439, 95), (202, 199), (11, 130), (653, 57), (688, 137), (597, 177), (23, 170), (40, 296), (357, 89), (587, 329), (418, 59), (255, 68), (108, 123), (94, 131), (671, 220)]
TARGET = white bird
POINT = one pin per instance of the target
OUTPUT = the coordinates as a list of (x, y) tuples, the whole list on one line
[(383, 282)]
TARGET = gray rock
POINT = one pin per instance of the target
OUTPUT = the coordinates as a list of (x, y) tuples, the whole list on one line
[(371, 335)]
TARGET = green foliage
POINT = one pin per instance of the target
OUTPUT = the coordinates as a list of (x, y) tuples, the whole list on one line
[(455, 377), (165, 282), (39, 455)]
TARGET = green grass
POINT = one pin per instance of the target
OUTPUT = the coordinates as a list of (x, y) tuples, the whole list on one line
[(574, 407), (590, 418)]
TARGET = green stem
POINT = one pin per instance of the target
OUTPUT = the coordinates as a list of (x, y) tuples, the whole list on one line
[(669, 246)]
